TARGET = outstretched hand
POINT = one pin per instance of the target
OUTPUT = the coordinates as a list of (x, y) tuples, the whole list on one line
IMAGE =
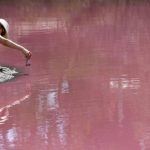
[(28, 58)]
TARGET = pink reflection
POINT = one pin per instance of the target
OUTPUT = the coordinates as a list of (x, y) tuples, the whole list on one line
[(88, 86)]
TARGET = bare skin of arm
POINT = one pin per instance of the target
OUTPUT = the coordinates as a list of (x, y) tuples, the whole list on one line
[(11, 44)]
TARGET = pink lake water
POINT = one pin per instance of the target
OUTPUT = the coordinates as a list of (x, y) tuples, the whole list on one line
[(88, 87)]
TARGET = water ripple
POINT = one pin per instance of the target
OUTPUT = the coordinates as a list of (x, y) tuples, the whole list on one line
[(7, 73)]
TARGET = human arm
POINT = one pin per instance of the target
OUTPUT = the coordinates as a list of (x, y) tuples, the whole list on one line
[(11, 44)]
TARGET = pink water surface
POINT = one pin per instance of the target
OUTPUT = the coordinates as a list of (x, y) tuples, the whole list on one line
[(88, 87)]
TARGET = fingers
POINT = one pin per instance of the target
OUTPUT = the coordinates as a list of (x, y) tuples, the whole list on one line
[(28, 55), (28, 59)]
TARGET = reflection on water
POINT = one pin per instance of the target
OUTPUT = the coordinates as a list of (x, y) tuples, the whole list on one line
[(49, 24), (49, 100), (125, 83), (88, 86), (4, 111), (61, 125), (11, 137), (52, 100), (7, 73), (65, 86)]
